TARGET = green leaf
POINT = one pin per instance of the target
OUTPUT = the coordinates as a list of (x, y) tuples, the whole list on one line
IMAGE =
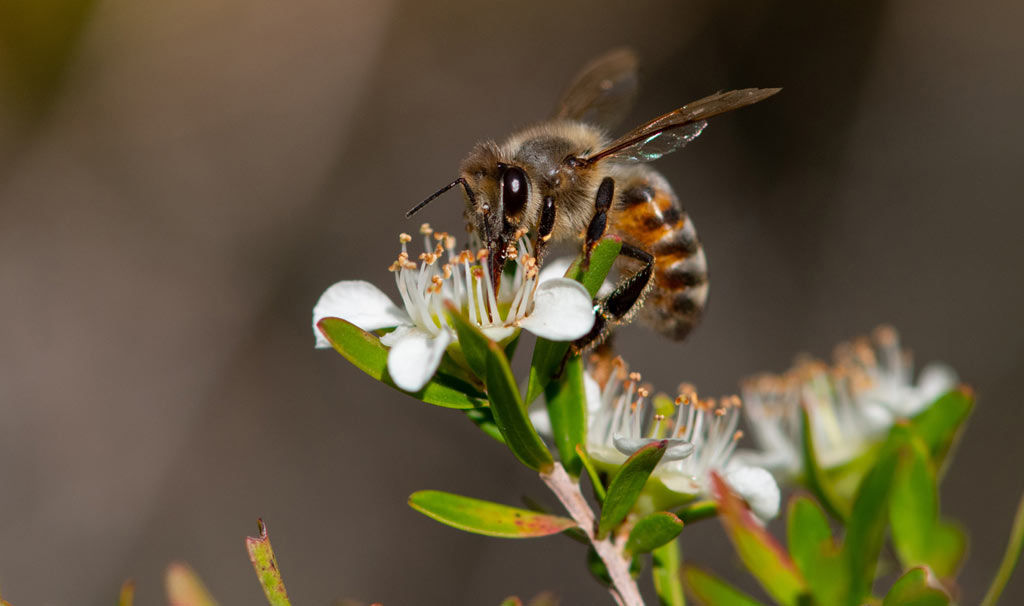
[(261, 554), (365, 352), (184, 587), (510, 415), (865, 530), (762, 556), (653, 531), (814, 475), (626, 485), (567, 409), (548, 355), (484, 419), (595, 477), (913, 506), (125, 598), (815, 552), (485, 517), (948, 548), (713, 591), (472, 341), (697, 511), (913, 589), (1010, 558), (668, 582), (940, 424), (512, 601)]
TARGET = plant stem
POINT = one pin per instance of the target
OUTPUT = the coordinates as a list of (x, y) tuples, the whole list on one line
[(624, 588), (1013, 549)]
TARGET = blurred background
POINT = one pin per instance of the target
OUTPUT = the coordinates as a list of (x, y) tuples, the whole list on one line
[(180, 181)]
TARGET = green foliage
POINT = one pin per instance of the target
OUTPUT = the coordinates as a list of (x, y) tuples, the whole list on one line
[(916, 588), (365, 352), (485, 517), (567, 409), (713, 591), (510, 414), (184, 587), (1010, 558), (666, 573), (815, 552), (261, 554), (626, 485), (652, 531)]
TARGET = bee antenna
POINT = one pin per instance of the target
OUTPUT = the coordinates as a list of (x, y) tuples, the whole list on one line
[(460, 180)]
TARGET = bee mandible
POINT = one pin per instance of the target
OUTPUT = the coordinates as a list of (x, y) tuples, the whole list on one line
[(563, 179)]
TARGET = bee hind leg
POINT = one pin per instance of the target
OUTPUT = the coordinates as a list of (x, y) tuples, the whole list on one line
[(622, 303)]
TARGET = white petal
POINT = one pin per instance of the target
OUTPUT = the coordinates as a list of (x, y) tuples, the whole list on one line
[(554, 268), (361, 303), (541, 421), (593, 390), (680, 483), (677, 448), (415, 356), (935, 380), (757, 487), (498, 333), (562, 311)]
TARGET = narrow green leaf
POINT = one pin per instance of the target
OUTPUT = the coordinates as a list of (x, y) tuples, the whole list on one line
[(815, 552), (713, 591), (510, 415), (567, 409), (184, 587), (948, 548), (595, 477), (1010, 558), (261, 554), (484, 419), (548, 355), (512, 601), (916, 588), (365, 352), (913, 506), (125, 598), (762, 556), (472, 342), (815, 477), (941, 424), (667, 574), (485, 517), (627, 484), (697, 511), (653, 531), (865, 530)]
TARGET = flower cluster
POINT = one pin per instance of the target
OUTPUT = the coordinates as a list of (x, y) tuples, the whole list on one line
[(554, 308), (850, 404)]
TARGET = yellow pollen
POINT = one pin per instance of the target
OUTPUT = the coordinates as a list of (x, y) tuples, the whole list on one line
[(447, 269), (739, 434), (635, 376), (643, 392), (404, 238), (426, 230)]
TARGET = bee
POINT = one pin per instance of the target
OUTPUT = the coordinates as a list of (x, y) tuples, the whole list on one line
[(564, 179)]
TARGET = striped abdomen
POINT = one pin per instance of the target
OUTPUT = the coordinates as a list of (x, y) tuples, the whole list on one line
[(647, 214)]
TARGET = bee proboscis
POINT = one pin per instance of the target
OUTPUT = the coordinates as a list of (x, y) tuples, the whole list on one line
[(563, 179)]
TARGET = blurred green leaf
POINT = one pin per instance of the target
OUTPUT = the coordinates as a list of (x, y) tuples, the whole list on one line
[(865, 530), (125, 598), (548, 355), (512, 601), (567, 409), (667, 574), (762, 556), (913, 505), (485, 517), (1010, 558), (510, 414), (913, 589), (697, 511), (365, 352), (595, 477), (484, 419), (625, 487), (184, 588), (261, 554), (816, 478), (815, 552), (948, 548), (941, 424), (713, 591), (473, 342), (653, 531)]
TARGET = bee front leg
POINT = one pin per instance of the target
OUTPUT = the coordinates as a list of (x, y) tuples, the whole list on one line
[(544, 228), (599, 223), (622, 303)]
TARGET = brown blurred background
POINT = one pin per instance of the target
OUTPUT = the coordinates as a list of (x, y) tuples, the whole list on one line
[(180, 181)]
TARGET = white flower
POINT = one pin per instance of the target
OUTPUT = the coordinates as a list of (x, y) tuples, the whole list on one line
[(558, 309), (702, 436), (850, 404)]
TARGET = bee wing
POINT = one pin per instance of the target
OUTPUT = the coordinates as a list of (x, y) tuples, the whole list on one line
[(604, 90), (675, 129)]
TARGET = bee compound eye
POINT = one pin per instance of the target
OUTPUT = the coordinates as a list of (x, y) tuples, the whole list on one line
[(513, 190)]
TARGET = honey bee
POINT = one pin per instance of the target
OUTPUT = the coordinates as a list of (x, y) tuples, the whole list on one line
[(564, 179)]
